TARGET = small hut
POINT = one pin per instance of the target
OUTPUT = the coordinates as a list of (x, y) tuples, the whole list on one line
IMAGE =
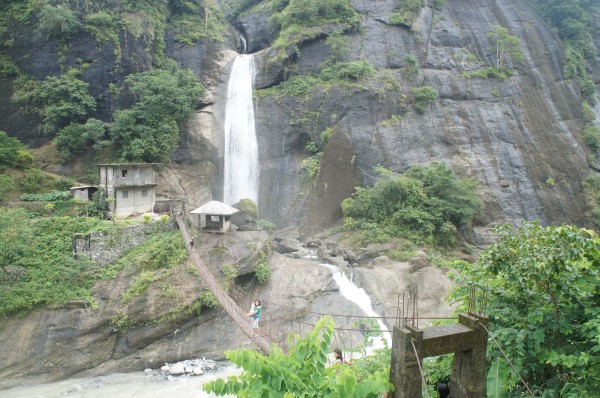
[(83, 193), (213, 216)]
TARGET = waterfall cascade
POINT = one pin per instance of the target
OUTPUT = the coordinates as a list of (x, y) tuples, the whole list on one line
[(241, 149), (359, 297)]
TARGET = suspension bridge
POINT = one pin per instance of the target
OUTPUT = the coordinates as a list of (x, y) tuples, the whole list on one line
[(351, 331)]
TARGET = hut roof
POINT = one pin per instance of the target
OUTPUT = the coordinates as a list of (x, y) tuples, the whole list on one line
[(215, 207)]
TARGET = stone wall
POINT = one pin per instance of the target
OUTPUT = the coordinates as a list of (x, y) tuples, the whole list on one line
[(106, 247)]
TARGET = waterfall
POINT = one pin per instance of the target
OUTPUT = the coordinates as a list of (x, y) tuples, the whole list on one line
[(241, 149), (359, 297)]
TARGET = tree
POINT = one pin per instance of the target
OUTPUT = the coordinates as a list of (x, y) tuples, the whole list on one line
[(300, 373), (149, 130), (66, 100), (59, 21), (506, 46), (9, 150), (544, 305)]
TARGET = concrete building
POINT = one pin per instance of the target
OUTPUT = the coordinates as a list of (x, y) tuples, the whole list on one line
[(130, 187), (213, 216)]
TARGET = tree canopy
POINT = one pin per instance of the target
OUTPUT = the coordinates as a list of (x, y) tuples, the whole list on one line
[(544, 305)]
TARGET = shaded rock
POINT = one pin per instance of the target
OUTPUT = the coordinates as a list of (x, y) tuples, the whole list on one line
[(287, 245), (419, 262)]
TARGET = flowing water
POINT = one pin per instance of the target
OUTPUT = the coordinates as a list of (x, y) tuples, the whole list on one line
[(241, 149), (362, 300), (123, 385)]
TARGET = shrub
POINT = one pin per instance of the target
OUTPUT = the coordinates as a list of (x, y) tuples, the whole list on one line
[(266, 225), (426, 203), (591, 136), (7, 184), (228, 275), (9, 150), (262, 272), (58, 21), (423, 97), (53, 196), (356, 70), (32, 181), (490, 72)]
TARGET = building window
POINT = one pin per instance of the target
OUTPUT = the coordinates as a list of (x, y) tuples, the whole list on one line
[(144, 193), (125, 194), (123, 173), (215, 218)]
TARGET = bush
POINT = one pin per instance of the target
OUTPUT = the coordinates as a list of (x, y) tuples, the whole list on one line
[(32, 181), (490, 72), (591, 136), (423, 97), (53, 196), (58, 21), (356, 70), (426, 203), (10, 149), (7, 184)]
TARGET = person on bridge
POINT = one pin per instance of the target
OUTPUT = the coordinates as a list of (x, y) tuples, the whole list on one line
[(338, 357), (255, 314)]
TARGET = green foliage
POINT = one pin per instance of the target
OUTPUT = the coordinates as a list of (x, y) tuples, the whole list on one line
[(66, 100), (65, 183), (423, 97), (406, 12), (161, 251), (426, 203), (32, 181), (139, 285), (149, 130), (40, 254), (104, 26), (228, 275), (506, 46), (198, 21), (411, 66), (9, 151), (266, 225), (490, 72), (543, 287), (53, 196), (248, 206), (339, 47), (7, 183), (207, 299), (301, 372), (587, 113), (58, 21), (295, 21), (437, 370), (550, 182), (356, 70), (591, 136), (98, 205), (262, 269), (310, 168), (497, 380), (74, 138)]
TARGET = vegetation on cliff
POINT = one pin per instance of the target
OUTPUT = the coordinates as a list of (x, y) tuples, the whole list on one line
[(425, 204)]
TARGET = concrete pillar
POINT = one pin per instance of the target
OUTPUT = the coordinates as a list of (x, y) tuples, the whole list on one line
[(468, 379), (404, 369)]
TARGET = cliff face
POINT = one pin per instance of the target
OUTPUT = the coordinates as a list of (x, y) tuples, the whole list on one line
[(511, 136)]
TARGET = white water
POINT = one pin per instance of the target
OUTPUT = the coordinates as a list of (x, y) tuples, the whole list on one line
[(241, 149), (359, 297), (123, 385)]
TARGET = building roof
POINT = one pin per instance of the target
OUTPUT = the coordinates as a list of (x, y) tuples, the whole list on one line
[(215, 207), (83, 187)]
